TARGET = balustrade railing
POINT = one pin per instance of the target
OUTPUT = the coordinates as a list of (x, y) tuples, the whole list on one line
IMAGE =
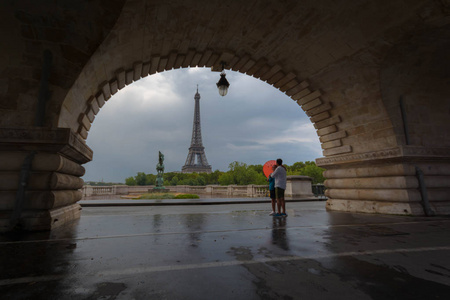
[(217, 190)]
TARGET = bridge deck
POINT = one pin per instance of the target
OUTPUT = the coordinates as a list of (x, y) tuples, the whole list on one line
[(229, 252)]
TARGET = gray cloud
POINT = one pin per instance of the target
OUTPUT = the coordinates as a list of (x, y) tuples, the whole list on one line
[(253, 123)]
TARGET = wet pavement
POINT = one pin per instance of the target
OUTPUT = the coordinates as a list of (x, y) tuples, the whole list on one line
[(233, 251)]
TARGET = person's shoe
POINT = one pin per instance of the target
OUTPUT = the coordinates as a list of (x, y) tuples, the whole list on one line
[(272, 213), (283, 215), (277, 215)]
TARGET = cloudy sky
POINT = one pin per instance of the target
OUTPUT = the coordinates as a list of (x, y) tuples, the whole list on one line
[(253, 123)]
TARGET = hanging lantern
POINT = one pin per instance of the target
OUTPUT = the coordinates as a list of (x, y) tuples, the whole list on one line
[(223, 83)]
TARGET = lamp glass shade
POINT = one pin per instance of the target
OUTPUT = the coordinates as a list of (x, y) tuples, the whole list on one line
[(223, 85)]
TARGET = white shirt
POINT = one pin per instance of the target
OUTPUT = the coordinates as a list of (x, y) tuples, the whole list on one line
[(280, 177)]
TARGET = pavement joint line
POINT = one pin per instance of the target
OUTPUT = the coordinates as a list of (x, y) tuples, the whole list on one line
[(155, 269), (215, 231)]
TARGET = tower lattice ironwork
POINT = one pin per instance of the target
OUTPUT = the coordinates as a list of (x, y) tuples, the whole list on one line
[(196, 160)]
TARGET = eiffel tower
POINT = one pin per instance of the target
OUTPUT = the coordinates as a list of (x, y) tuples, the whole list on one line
[(196, 151)]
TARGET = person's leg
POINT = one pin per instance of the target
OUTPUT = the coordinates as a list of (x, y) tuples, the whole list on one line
[(277, 195), (273, 201), (283, 202)]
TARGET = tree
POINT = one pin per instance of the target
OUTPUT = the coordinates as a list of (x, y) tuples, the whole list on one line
[(150, 179), (308, 168), (241, 174), (315, 172), (140, 178), (174, 180), (130, 181)]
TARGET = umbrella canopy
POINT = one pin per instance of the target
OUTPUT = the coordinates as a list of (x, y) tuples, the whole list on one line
[(267, 168)]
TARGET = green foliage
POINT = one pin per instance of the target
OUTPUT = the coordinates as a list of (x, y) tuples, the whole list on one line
[(157, 196), (186, 196), (168, 196), (101, 183), (239, 173), (140, 178), (130, 181), (307, 168), (150, 179)]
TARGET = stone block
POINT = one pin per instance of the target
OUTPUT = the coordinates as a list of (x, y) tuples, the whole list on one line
[(394, 195), (82, 132), (285, 79), (212, 59), (326, 130), (204, 59), (289, 85), (171, 61), (129, 75), (50, 219), (331, 144), (272, 71), (196, 59), (333, 136), (276, 77), (39, 200), (327, 122), (162, 64), (113, 86), (120, 75), (337, 150), (58, 140), (320, 117), (179, 61), (40, 181), (439, 194), (319, 109), (100, 99), (240, 63), (84, 120), (301, 94), (263, 70), (250, 63), (388, 182), (308, 98), (145, 69), (90, 115), (137, 71), (316, 102), (188, 59), (385, 207), (298, 88), (106, 90), (298, 187), (154, 64), (256, 67)]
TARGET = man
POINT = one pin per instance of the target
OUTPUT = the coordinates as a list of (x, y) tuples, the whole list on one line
[(280, 186)]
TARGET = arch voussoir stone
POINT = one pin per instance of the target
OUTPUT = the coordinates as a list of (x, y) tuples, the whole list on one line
[(309, 100)]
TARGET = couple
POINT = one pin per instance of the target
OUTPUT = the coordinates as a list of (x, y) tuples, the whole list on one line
[(277, 185)]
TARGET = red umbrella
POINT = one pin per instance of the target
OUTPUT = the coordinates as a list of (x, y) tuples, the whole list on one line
[(267, 168)]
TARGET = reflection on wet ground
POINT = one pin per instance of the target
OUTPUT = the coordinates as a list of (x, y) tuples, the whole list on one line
[(229, 251)]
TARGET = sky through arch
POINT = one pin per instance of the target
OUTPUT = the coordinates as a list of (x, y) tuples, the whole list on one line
[(253, 123)]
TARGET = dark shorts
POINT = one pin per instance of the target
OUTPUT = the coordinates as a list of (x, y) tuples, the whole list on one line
[(279, 192), (272, 194)]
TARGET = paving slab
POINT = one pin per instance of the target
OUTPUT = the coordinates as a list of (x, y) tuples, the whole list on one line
[(233, 251)]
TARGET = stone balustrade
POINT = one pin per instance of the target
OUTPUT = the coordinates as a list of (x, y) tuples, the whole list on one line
[(297, 187)]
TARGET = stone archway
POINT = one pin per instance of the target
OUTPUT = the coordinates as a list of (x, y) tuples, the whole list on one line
[(329, 57)]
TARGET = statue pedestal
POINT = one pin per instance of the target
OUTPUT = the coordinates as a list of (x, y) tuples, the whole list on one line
[(159, 190)]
